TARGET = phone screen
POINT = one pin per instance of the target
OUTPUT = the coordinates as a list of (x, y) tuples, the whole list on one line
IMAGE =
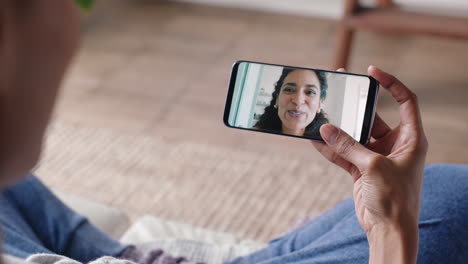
[(296, 101)]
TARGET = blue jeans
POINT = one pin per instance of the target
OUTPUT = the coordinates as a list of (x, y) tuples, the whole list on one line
[(336, 236), (35, 221)]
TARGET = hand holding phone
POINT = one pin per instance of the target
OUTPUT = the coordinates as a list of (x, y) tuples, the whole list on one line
[(387, 175), (296, 101)]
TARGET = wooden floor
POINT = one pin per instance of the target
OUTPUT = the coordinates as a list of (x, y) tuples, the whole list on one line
[(156, 69)]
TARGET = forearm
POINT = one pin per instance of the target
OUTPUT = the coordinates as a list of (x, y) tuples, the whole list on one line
[(393, 244)]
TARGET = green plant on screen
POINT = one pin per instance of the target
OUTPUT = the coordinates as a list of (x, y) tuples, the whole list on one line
[(85, 4)]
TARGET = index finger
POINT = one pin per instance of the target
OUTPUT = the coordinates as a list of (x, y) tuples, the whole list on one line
[(409, 109)]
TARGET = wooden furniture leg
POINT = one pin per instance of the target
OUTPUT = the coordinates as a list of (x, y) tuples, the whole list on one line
[(343, 46), (345, 36), (384, 3)]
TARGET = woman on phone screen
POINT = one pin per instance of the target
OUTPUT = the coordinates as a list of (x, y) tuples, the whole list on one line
[(295, 107)]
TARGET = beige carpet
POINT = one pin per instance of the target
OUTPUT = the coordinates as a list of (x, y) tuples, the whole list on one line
[(251, 194), (139, 121)]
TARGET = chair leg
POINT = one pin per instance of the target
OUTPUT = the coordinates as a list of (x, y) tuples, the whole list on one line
[(384, 3), (343, 46)]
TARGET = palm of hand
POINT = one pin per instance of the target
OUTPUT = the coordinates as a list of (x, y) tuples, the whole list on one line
[(374, 195)]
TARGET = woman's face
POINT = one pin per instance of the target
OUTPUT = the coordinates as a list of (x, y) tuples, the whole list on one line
[(298, 101)]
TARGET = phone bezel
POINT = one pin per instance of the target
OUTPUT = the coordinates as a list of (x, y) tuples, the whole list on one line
[(369, 114)]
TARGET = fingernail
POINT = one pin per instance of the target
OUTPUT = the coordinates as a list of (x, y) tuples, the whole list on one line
[(329, 133), (372, 67)]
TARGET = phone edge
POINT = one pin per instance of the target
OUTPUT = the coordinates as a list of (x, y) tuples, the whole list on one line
[(370, 108), (230, 92)]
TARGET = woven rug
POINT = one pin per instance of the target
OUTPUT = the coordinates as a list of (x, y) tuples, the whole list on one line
[(252, 194)]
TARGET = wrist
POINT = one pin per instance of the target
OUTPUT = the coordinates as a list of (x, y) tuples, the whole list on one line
[(393, 243)]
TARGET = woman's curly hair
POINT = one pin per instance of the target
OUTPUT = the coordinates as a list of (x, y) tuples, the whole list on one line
[(270, 120)]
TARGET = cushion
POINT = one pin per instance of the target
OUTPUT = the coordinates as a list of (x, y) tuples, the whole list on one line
[(7, 259), (194, 243)]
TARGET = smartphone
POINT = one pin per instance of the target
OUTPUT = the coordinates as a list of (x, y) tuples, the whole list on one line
[(296, 101)]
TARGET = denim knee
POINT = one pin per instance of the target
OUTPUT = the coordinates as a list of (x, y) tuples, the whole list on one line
[(444, 213)]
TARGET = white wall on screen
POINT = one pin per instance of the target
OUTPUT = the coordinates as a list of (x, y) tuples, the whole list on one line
[(333, 103), (249, 94), (270, 76), (353, 105)]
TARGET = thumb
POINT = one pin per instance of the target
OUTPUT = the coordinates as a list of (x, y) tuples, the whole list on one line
[(345, 146)]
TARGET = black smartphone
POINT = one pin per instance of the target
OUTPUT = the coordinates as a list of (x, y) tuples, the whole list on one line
[(296, 101)]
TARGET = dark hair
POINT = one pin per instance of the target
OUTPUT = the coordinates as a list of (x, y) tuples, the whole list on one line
[(270, 120)]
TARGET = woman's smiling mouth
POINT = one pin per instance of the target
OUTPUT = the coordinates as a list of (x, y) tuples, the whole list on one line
[(294, 113)]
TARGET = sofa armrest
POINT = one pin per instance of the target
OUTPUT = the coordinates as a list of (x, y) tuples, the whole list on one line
[(108, 219)]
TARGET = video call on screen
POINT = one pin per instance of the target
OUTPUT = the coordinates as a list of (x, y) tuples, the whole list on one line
[(297, 101)]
